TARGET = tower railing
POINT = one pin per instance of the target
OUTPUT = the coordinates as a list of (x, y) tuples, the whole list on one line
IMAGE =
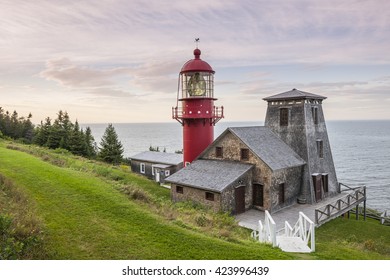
[(197, 112)]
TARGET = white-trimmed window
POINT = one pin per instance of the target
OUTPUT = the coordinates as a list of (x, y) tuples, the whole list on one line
[(142, 168), (167, 173)]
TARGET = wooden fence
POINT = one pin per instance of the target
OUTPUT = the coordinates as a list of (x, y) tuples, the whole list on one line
[(343, 205), (383, 218)]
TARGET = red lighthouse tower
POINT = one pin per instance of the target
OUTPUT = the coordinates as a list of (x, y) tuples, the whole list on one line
[(197, 113)]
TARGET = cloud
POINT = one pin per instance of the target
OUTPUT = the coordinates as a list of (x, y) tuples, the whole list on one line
[(368, 90), (146, 79), (243, 32), (135, 49), (63, 71)]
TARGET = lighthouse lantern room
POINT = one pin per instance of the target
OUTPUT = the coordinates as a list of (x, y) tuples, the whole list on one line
[(197, 113)]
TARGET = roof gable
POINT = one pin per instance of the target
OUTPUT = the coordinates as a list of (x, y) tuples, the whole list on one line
[(159, 157), (294, 94), (213, 175), (267, 146)]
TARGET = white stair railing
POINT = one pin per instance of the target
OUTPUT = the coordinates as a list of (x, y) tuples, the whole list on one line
[(288, 230), (267, 232), (305, 229)]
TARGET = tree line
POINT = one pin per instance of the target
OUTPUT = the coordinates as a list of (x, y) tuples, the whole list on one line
[(62, 133), (16, 127)]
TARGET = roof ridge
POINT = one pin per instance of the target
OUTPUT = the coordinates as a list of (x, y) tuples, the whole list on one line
[(294, 94)]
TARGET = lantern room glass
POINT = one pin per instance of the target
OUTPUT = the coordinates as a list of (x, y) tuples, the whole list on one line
[(197, 85)]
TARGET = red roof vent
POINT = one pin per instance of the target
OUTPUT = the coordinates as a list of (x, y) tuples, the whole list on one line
[(196, 64)]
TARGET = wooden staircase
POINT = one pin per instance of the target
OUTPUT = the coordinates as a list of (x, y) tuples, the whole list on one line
[(289, 239)]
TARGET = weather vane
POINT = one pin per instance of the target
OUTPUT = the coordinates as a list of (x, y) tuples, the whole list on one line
[(197, 42)]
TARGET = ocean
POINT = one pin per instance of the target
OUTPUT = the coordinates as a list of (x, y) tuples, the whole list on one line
[(361, 149)]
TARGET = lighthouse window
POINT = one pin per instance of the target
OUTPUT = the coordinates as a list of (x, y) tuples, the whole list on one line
[(325, 183), (219, 152), (244, 154), (210, 196), (283, 117), (320, 148), (314, 111)]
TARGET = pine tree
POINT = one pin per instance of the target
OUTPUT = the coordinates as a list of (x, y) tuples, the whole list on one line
[(42, 132), (76, 141), (28, 129), (55, 136), (90, 142), (111, 149), (60, 132)]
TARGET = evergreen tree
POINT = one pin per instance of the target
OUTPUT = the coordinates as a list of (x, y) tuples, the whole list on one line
[(55, 136), (28, 130), (42, 132), (90, 143), (76, 142), (60, 132), (111, 149), (66, 130), (16, 127), (2, 120)]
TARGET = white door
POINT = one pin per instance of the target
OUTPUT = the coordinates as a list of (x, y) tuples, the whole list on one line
[(157, 175)]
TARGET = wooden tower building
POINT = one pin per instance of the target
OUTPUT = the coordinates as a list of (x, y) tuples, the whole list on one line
[(297, 118)]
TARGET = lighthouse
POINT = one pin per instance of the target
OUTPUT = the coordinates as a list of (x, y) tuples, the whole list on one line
[(197, 113)]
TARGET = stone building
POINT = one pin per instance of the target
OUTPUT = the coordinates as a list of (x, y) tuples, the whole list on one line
[(156, 165), (265, 167), (269, 176)]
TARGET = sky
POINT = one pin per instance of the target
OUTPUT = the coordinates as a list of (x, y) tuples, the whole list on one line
[(111, 61)]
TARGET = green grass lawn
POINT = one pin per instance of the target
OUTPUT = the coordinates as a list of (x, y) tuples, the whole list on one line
[(351, 239), (86, 217), (82, 212)]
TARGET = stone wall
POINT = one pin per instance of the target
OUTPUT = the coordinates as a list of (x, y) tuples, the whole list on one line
[(196, 195), (292, 179), (261, 173), (228, 202)]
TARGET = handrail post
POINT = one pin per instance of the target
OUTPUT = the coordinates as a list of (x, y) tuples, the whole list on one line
[(313, 239)]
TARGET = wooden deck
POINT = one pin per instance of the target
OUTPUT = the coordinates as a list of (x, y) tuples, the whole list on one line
[(250, 219)]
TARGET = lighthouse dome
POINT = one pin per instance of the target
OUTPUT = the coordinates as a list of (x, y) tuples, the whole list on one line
[(196, 64)]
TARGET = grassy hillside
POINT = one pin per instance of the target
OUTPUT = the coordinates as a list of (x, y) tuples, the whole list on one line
[(85, 216), (57, 206)]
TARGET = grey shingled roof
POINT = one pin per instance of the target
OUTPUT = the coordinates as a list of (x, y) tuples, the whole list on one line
[(213, 175), (159, 157), (294, 94), (268, 147)]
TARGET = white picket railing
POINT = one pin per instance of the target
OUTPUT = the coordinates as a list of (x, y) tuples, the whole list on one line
[(267, 232), (304, 228)]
